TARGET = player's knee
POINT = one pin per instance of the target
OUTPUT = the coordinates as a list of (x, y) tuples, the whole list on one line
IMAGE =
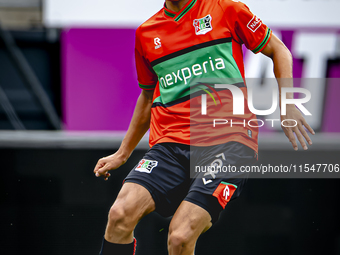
[(178, 239), (118, 219)]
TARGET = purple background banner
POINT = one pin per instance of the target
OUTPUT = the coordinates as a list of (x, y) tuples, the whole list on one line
[(100, 84), (331, 113)]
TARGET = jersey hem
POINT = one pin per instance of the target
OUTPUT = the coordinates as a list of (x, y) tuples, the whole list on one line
[(240, 139)]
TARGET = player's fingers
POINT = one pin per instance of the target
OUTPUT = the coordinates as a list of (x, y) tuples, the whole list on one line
[(102, 171), (305, 135), (291, 138), (304, 122), (99, 165), (107, 176), (300, 137)]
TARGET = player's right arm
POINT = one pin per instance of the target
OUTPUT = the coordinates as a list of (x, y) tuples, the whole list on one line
[(248, 29), (139, 124)]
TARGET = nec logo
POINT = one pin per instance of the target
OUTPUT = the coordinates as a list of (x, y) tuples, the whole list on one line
[(254, 23)]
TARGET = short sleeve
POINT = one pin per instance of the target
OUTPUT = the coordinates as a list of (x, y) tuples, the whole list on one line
[(147, 79), (245, 26)]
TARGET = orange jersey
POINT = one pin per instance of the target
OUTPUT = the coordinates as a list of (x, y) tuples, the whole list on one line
[(183, 55)]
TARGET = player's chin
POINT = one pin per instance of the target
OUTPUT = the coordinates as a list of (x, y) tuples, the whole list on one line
[(173, 0)]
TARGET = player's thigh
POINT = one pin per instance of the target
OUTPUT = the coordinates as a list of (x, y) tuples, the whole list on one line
[(134, 201), (188, 223), (162, 171)]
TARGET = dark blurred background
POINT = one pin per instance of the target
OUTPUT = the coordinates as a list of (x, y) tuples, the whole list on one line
[(51, 203), (67, 91)]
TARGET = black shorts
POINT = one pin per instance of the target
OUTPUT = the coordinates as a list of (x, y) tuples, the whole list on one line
[(165, 172)]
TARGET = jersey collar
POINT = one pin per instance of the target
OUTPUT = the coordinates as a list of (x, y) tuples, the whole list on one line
[(178, 15)]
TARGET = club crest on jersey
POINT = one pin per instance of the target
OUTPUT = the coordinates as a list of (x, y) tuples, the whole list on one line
[(146, 165), (202, 25)]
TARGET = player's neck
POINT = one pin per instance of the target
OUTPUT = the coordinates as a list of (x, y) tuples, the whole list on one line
[(175, 5)]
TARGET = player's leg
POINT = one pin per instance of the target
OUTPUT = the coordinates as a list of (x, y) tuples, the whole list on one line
[(158, 180), (133, 203), (208, 195), (188, 223)]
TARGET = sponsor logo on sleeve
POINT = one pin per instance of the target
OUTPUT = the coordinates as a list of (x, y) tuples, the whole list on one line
[(254, 24), (202, 25), (224, 192), (146, 165)]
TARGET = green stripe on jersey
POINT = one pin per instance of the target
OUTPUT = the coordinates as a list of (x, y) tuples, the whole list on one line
[(226, 183), (146, 86), (177, 75), (169, 13), (265, 40), (185, 10)]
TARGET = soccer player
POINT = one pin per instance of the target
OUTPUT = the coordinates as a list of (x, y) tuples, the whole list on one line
[(178, 51)]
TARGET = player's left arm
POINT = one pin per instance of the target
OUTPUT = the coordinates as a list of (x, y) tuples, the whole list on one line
[(282, 60)]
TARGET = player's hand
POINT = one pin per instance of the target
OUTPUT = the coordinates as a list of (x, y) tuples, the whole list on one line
[(104, 165), (299, 130)]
